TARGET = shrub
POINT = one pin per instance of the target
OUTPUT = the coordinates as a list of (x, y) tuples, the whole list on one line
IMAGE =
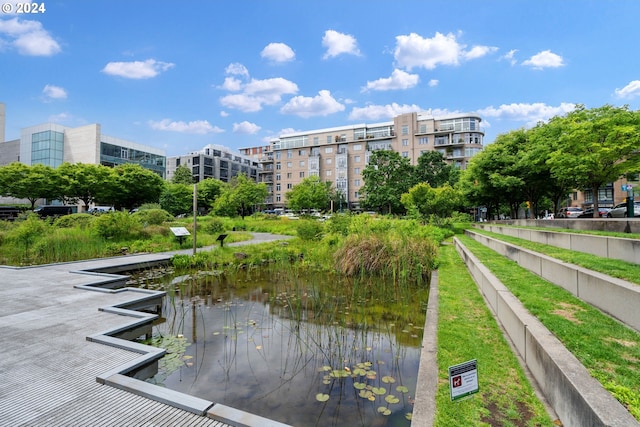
[(80, 220), (28, 231), (310, 230), (214, 226), (117, 225), (147, 206), (339, 224), (153, 216)]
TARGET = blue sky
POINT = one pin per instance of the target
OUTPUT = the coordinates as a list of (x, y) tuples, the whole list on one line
[(182, 74)]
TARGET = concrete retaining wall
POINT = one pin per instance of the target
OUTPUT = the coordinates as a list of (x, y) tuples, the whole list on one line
[(620, 225), (602, 246), (616, 297), (577, 398)]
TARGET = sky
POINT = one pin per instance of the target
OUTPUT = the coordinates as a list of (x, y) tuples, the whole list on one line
[(178, 75)]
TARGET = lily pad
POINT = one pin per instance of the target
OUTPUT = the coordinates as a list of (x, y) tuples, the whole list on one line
[(322, 397), (409, 416), (402, 389), (384, 410), (388, 379), (391, 399), (359, 386), (366, 394), (379, 390)]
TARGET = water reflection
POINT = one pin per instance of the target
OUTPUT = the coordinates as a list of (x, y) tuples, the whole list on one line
[(304, 350)]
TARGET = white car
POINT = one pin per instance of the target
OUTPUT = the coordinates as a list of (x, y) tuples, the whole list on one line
[(569, 212), (620, 210)]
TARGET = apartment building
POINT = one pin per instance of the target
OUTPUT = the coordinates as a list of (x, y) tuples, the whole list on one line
[(340, 154), (214, 161)]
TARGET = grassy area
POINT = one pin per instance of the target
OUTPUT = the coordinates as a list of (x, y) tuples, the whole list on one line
[(467, 330), (609, 350), (615, 268)]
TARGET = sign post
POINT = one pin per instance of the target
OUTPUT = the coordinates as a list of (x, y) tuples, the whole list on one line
[(463, 379)]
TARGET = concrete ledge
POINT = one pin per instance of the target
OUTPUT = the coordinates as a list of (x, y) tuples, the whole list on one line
[(577, 398), (602, 246), (238, 418), (161, 394), (620, 225), (424, 408), (618, 298)]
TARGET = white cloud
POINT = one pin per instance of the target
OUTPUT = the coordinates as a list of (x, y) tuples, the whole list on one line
[(479, 52), (52, 92), (237, 69), (528, 113), (321, 105), (510, 56), (137, 69), (415, 51), (200, 127), (339, 43), (378, 112), (246, 128), (629, 91), (433, 83), (257, 93), (544, 59), (224, 114), (28, 37), (231, 84), (399, 80), (278, 52)]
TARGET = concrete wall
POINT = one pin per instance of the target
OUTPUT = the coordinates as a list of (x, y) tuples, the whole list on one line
[(577, 398), (620, 225), (616, 297), (602, 246)]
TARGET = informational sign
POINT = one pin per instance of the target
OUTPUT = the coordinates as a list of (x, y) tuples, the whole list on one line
[(179, 231), (463, 379)]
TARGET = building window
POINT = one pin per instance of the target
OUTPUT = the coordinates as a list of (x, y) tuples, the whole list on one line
[(356, 194), (356, 171), (327, 173), (405, 142), (288, 175), (405, 129), (289, 186), (178, 162), (301, 174), (278, 177), (423, 128), (301, 163), (278, 166), (356, 159), (328, 150), (196, 161), (289, 164), (277, 155), (328, 139), (289, 154), (357, 182), (424, 140), (302, 152), (405, 154), (278, 198), (278, 187), (315, 140), (357, 147)]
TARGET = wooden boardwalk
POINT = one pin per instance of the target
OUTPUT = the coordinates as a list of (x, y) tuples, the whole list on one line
[(48, 367)]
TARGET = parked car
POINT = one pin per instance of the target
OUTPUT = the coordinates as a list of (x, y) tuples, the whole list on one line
[(55, 210), (620, 210), (602, 212), (569, 212)]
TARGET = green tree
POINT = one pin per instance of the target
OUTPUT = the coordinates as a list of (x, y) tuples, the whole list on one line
[(29, 182), (386, 178), (239, 196), (596, 147), (311, 193), (182, 175), (86, 182), (430, 202), (135, 186), (208, 191), (177, 198), (433, 169)]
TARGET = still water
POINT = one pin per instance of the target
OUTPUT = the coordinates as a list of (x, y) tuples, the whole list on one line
[(305, 350)]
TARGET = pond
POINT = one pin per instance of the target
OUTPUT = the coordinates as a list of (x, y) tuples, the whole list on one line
[(302, 349)]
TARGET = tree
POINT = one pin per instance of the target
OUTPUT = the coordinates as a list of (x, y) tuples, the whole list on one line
[(135, 186), (596, 146), (433, 169), (311, 193), (182, 175), (86, 182), (208, 191), (386, 178), (241, 194), (29, 182), (177, 198), (429, 202)]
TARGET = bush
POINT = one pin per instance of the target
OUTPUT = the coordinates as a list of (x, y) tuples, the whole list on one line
[(214, 226), (117, 225), (310, 230), (153, 216), (339, 224), (147, 206), (80, 220)]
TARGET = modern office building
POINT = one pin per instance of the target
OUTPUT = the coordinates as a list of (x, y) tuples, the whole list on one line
[(53, 144), (340, 154), (214, 161)]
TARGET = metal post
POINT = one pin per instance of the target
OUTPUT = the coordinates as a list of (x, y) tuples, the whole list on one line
[(195, 215)]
